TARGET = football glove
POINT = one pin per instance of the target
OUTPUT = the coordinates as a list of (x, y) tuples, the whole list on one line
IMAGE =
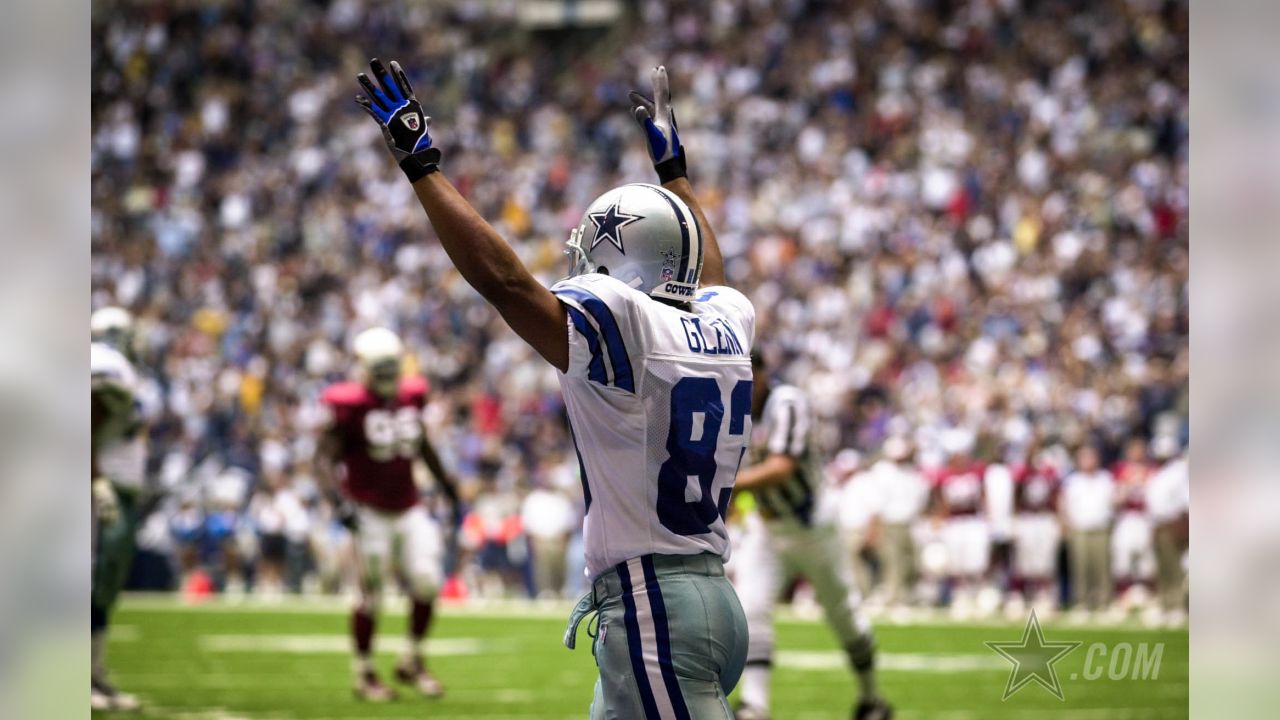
[(106, 506), (658, 120), (399, 114)]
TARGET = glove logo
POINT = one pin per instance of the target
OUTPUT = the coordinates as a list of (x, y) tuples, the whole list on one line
[(412, 121)]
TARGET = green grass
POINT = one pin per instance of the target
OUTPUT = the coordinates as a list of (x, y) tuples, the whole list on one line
[(227, 662)]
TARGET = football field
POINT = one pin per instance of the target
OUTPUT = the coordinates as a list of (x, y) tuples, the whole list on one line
[(234, 661)]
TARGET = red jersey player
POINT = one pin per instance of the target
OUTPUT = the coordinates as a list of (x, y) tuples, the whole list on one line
[(375, 434), (958, 493), (1133, 558), (1036, 529)]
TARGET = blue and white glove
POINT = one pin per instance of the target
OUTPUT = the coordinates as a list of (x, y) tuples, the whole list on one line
[(400, 116), (659, 123)]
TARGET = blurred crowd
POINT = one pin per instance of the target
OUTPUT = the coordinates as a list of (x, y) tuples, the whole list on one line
[(954, 218)]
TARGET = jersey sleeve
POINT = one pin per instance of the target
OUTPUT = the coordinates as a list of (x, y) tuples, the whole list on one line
[(788, 422), (338, 401), (605, 338), (733, 305), (413, 391)]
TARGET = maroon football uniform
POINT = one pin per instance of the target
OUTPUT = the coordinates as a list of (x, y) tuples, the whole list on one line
[(961, 489), (1131, 484), (379, 439), (1037, 490)]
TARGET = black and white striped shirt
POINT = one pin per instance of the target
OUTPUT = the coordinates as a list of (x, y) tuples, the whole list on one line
[(785, 428)]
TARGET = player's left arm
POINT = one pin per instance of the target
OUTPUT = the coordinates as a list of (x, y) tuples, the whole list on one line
[(662, 137), (107, 400), (483, 258), (447, 484)]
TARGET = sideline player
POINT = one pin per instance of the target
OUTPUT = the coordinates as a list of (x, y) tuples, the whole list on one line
[(119, 459), (1037, 534), (653, 354), (376, 432), (784, 539), (1133, 553), (959, 493)]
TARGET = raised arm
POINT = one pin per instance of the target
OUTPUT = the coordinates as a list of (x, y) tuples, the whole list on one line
[(483, 258), (658, 120)]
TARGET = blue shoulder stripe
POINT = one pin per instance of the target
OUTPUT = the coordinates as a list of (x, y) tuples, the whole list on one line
[(595, 370), (618, 358)]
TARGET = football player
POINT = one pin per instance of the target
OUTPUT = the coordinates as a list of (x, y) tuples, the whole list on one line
[(1133, 555), (959, 494), (375, 433), (652, 350), (785, 539), (1037, 532), (118, 458)]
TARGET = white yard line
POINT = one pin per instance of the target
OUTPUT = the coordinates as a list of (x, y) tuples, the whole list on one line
[(312, 644), (558, 610), (837, 661)]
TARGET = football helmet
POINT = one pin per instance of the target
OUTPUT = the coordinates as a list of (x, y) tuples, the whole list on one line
[(112, 326), (643, 235), (379, 353)]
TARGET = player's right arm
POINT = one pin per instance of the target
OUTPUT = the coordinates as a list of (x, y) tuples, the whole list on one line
[(658, 120), (483, 258), (328, 456)]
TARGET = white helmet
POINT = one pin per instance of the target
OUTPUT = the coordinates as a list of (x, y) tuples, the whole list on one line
[(644, 236), (113, 326), (378, 356)]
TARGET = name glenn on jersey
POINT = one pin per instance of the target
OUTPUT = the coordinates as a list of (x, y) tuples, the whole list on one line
[(726, 343)]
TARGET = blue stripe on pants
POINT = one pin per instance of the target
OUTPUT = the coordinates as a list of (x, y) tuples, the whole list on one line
[(659, 609), (633, 644)]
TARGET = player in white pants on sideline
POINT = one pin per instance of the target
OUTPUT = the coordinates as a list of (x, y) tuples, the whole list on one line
[(785, 540)]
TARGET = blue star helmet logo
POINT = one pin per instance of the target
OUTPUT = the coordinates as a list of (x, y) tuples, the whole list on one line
[(609, 226)]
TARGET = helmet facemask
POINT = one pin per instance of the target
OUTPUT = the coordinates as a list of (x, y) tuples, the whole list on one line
[(579, 262), (383, 377)]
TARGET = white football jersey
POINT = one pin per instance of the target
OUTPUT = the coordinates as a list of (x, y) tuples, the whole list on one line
[(122, 454), (659, 404), (784, 429)]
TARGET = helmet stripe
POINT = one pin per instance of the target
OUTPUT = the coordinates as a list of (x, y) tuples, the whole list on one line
[(684, 234)]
